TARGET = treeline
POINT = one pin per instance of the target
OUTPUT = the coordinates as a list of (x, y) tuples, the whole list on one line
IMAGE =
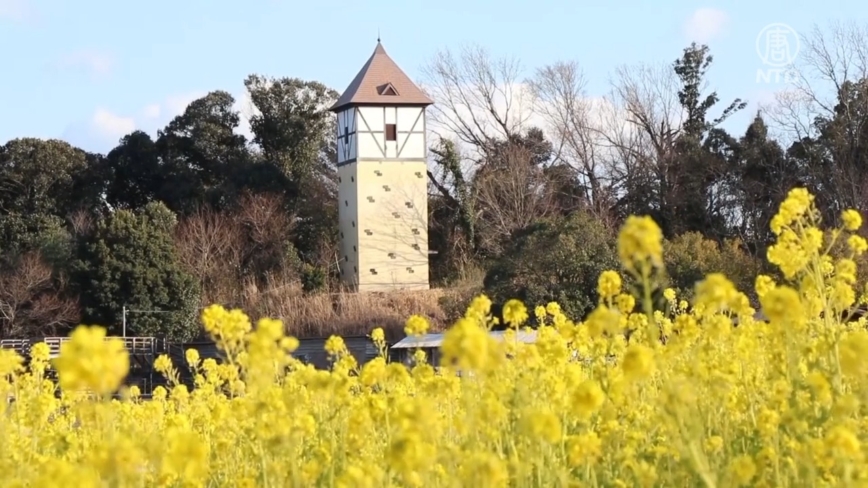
[(199, 214)]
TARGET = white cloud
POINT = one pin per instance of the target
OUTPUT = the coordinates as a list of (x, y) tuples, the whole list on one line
[(97, 64), (705, 24), (111, 126), (14, 10), (152, 111), (102, 130)]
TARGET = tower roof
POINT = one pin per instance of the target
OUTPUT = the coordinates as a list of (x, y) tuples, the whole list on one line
[(381, 81)]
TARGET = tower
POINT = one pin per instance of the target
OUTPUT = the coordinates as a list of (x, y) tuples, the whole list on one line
[(383, 178)]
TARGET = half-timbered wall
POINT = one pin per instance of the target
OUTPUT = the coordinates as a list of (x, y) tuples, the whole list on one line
[(376, 133)]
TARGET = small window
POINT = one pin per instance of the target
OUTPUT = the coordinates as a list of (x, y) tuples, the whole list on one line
[(391, 132)]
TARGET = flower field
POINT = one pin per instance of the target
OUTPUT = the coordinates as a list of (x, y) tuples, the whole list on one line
[(699, 395)]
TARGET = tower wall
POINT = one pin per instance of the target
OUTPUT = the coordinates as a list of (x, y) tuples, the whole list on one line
[(393, 225)]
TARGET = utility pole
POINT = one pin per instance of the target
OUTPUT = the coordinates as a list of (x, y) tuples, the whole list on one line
[(125, 321)]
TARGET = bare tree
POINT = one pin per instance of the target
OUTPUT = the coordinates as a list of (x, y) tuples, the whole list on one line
[(31, 301), (642, 127), (478, 99), (511, 194), (828, 101), (575, 122), (827, 60), (210, 246)]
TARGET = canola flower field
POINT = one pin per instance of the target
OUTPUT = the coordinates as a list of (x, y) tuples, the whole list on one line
[(678, 399)]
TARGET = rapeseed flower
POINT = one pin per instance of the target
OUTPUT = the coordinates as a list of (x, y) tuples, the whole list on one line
[(699, 395)]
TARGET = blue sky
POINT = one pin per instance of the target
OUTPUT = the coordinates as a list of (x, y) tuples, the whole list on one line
[(88, 72)]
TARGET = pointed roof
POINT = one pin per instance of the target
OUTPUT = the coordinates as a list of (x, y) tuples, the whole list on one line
[(381, 81)]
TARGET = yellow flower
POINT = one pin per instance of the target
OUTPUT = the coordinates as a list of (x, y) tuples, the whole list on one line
[(514, 313), (609, 284), (416, 326), (640, 240), (638, 362), (587, 398), (89, 361), (852, 220)]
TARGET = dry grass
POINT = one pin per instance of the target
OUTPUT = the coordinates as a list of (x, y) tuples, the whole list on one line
[(349, 313)]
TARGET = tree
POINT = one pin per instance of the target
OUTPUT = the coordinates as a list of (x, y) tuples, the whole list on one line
[(293, 126), (32, 299), (46, 177), (479, 99), (203, 158), (823, 116), (129, 260), (135, 176), (295, 132), (558, 259), (577, 125)]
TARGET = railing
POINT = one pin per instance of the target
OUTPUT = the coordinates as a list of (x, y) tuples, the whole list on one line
[(135, 345), (21, 346)]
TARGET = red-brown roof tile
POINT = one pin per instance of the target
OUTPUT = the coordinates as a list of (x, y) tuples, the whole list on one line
[(381, 81)]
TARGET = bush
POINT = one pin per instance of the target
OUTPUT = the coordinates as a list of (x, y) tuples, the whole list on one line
[(690, 257), (776, 403), (555, 260), (130, 260)]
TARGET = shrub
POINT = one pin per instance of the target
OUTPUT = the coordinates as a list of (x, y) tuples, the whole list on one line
[(555, 260), (690, 257), (130, 260)]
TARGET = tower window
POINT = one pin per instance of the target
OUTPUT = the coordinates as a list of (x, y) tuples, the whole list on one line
[(415, 232), (391, 132), (373, 271), (371, 199), (409, 204), (346, 203), (396, 215), (410, 270), (378, 172), (369, 232), (416, 246), (418, 174), (392, 255), (386, 187), (352, 179)]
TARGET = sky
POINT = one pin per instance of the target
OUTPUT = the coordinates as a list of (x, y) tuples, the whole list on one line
[(93, 71)]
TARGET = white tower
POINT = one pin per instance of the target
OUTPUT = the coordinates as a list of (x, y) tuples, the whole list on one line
[(382, 165)]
